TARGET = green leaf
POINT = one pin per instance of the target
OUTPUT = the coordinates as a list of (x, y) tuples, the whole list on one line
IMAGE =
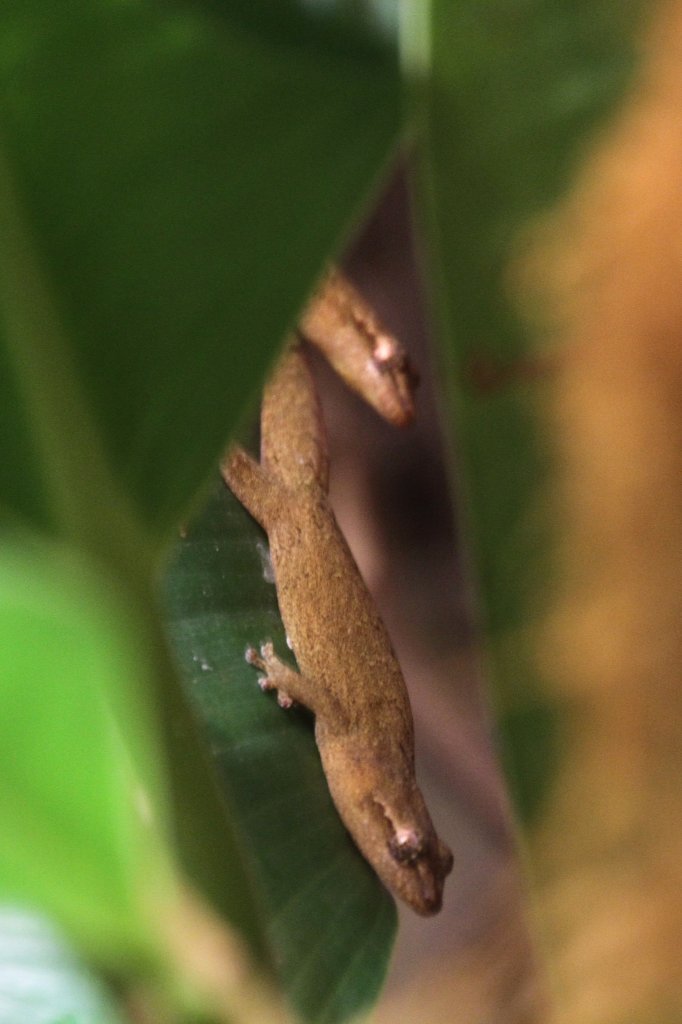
[(508, 96), (42, 979), (174, 176), (87, 506), (329, 921), (81, 808), (182, 176)]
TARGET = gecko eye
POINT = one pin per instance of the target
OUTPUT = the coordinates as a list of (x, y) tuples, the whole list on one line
[(406, 846), (385, 350)]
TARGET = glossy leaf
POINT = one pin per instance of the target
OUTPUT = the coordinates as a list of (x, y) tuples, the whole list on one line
[(330, 923)]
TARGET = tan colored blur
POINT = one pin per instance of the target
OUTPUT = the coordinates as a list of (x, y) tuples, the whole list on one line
[(611, 844), (606, 861)]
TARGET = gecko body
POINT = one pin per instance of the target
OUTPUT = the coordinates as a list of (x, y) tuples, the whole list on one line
[(349, 675)]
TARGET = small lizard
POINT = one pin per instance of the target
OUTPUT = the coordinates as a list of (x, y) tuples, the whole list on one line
[(350, 678)]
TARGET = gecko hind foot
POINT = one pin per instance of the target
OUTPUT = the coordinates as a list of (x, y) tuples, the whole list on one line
[(273, 669)]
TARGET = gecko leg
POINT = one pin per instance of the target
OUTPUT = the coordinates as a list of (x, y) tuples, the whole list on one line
[(292, 687), (260, 494)]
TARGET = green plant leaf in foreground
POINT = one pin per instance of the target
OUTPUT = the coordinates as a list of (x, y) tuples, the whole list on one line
[(184, 177), (177, 180), (330, 923), (74, 840), (87, 507)]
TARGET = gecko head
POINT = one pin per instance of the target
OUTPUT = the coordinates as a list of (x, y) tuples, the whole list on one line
[(392, 827), (415, 862)]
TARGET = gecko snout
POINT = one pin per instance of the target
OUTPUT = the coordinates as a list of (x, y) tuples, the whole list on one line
[(390, 825), (421, 862)]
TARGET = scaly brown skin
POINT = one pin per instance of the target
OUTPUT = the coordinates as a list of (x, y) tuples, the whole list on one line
[(350, 678), (370, 359)]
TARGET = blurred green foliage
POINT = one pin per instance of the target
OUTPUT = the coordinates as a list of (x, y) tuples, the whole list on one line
[(173, 178), (68, 648), (513, 95)]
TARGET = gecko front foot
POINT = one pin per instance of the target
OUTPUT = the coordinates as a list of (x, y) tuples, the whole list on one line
[(276, 673)]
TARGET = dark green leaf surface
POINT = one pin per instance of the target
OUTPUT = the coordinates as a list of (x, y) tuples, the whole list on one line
[(511, 95), (42, 979), (183, 177), (331, 923)]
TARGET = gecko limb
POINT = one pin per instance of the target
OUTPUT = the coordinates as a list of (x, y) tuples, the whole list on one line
[(259, 493), (292, 687)]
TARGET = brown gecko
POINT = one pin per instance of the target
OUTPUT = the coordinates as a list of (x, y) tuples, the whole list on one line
[(349, 676)]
